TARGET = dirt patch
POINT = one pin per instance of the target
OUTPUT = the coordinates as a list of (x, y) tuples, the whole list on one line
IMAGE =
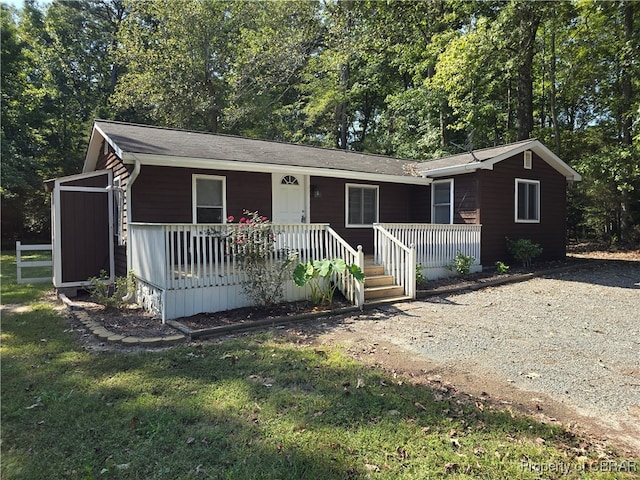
[(130, 321), (247, 315)]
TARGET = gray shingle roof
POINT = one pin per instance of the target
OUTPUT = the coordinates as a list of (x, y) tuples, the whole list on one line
[(143, 139), (467, 158)]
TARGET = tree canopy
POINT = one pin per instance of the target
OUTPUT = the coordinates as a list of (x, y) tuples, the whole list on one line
[(402, 78)]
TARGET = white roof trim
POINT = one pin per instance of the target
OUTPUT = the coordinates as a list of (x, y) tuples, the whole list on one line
[(535, 145), (216, 164), (93, 152)]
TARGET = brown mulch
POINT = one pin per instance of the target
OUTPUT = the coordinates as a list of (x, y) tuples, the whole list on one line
[(490, 275), (129, 321), (251, 314), (133, 321)]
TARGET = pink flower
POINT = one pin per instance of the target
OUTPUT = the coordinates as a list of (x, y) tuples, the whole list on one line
[(230, 218), (242, 220), (264, 219)]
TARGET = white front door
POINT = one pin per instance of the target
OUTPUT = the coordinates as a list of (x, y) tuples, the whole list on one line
[(289, 198)]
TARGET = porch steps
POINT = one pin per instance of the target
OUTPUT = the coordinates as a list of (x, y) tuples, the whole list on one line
[(378, 286)]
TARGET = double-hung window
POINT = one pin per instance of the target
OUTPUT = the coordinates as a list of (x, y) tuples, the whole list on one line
[(362, 205), (527, 201), (442, 201), (209, 194)]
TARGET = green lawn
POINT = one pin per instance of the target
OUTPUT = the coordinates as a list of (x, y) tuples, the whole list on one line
[(256, 407)]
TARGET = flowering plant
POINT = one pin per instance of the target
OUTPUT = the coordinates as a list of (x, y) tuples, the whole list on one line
[(253, 245)]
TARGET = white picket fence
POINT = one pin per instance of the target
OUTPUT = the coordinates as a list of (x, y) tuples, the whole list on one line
[(23, 263)]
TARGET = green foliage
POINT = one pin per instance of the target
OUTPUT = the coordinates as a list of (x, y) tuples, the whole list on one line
[(502, 268), (260, 406), (420, 278), (253, 246), (408, 79), (318, 275), (462, 263), (524, 250), (112, 295)]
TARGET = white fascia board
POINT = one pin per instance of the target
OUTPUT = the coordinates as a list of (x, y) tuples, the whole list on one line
[(535, 145), (81, 176), (93, 152), (543, 152), (555, 161), (215, 164), (457, 169)]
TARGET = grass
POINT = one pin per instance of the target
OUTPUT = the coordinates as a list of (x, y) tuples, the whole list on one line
[(14, 292), (262, 406)]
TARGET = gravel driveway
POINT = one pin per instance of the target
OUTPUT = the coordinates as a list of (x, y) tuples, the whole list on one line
[(573, 337)]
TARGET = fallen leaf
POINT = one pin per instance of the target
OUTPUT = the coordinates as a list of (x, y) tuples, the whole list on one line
[(360, 383), (190, 440), (199, 469), (371, 467), (420, 406)]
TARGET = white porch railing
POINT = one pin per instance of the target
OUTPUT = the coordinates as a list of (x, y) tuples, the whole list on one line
[(398, 259), (352, 289), (437, 244), (188, 256)]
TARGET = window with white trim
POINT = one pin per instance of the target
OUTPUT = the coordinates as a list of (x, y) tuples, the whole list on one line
[(361, 205), (442, 201), (527, 201), (209, 199)]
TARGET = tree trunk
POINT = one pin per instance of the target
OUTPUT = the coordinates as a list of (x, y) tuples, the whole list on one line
[(553, 93), (528, 27)]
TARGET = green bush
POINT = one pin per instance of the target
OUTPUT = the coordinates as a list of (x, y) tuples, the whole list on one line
[(461, 263), (111, 295), (420, 278), (253, 246), (317, 274), (523, 250), (502, 267)]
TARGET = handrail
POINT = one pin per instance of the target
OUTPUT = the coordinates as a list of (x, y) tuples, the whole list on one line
[(351, 288), (399, 260)]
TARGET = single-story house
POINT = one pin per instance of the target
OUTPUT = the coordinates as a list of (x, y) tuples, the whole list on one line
[(156, 202)]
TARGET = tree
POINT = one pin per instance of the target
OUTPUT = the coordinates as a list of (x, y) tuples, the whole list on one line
[(176, 59), (56, 79)]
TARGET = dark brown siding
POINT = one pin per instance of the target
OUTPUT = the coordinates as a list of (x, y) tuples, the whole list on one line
[(397, 203), (465, 201), (163, 194), (110, 161), (497, 190), (84, 237), (420, 204)]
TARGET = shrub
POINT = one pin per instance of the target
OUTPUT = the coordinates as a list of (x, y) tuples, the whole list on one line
[(317, 274), (420, 278), (461, 263), (523, 250), (111, 295), (502, 267), (253, 246)]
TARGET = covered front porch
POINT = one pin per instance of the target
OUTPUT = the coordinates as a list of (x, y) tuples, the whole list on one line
[(186, 269)]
